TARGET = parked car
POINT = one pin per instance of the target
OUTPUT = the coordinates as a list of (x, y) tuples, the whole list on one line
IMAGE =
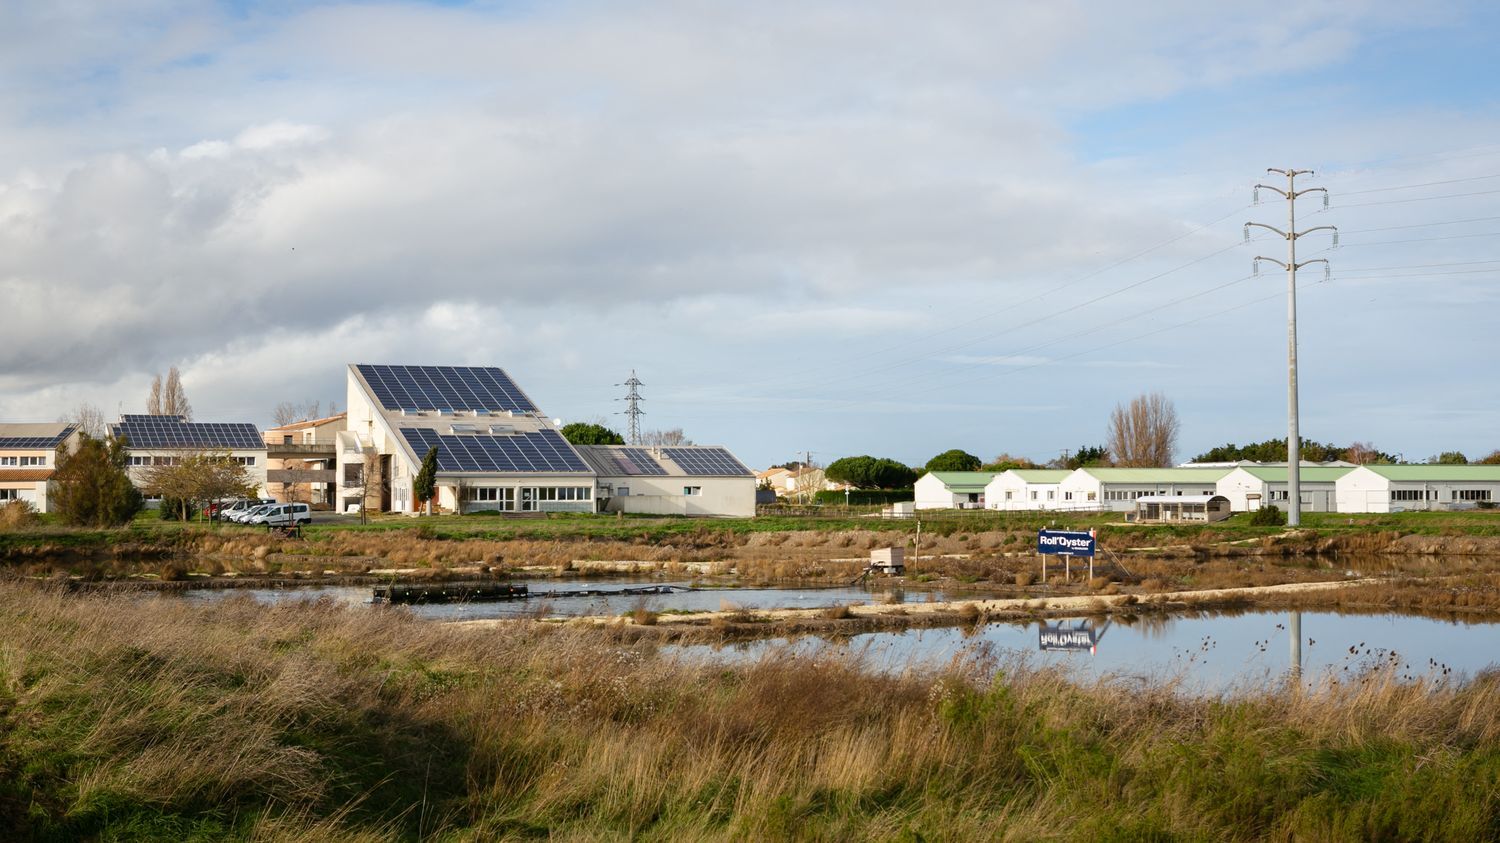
[(283, 515), (245, 516), (239, 509)]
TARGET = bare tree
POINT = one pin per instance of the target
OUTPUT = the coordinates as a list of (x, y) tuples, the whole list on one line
[(198, 477), (286, 412), (808, 482), (174, 400), (153, 403), (88, 418), (1144, 432), (1361, 453), (368, 480), (665, 438)]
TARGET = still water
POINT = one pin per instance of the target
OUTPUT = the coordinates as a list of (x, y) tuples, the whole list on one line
[(1203, 651)]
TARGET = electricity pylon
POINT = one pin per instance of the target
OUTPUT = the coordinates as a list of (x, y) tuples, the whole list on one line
[(1293, 436), (633, 411)]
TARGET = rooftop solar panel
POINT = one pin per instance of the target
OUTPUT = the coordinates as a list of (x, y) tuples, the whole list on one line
[(706, 462), (541, 452), (34, 442), (484, 389), (173, 432), (638, 461)]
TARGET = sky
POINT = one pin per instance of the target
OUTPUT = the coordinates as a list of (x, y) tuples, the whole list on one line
[(846, 228)]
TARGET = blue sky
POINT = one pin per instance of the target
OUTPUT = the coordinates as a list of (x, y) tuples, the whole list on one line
[(849, 228)]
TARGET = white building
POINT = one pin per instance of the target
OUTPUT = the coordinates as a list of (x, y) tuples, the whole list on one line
[(497, 451), (677, 480), (1026, 488), (1249, 487), (164, 440), (28, 460), (952, 489), (1394, 488), (1117, 488)]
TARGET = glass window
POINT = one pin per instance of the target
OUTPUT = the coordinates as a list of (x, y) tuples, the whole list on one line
[(690, 491), (7, 494)]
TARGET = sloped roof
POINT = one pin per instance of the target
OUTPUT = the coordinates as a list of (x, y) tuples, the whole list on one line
[(1309, 474), (25, 475), (1041, 475), (306, 423), (965, 481), (1157, 475), (46, 435), (1438, 473)]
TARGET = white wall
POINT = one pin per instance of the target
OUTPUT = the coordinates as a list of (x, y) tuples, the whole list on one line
[(932, 493), (721, 496), (1047, 495)]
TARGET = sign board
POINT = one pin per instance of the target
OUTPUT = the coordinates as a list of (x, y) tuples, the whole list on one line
[(1067, 542), (1066, 638)]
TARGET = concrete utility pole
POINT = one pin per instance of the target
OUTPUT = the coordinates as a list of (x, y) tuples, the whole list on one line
[(633, 410), (1293, 436)]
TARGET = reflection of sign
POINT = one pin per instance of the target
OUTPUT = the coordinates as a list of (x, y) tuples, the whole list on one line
[(1059, 637), (1065, 542)]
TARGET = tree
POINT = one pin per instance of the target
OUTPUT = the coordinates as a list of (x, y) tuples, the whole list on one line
[(424, 486), (92, 486), (954, 460), (286, 412), (188, 481), (1492, 459), (588, 433), (1361, 453), (87, 418), (369, 480), (866, 472), (1086, 455), (1006, 462), (1143, 433), (167, 397), (1274, 450), (1449, 458), (665, 438)]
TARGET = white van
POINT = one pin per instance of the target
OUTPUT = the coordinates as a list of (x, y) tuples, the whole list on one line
[(283, 515)]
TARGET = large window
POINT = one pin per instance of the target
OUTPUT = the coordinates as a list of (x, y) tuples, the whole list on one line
[(1413, 494), (245, 460), (24, 462), (8, 494), (1471, 494), (504, 498)]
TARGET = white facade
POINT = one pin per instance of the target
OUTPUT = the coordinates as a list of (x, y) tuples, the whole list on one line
[(1026, 489), (1396, 488), (1117, 488), (1248, 488), (152, 441), (28, 460), (951, 489)]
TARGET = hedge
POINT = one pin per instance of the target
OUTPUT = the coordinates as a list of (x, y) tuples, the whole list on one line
[(865, 497)]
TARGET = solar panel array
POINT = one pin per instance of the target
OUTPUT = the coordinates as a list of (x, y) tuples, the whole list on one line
[(173, 432), (22, 442), (634, 462), (706, 462), (486, 389), (540, 452)]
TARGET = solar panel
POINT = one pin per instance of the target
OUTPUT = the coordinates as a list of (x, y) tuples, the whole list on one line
[(448, 388), (173, 432), (706, 462), (34, 442), (540, 452), (638, 461)]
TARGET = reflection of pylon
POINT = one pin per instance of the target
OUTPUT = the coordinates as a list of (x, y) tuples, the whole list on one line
[(633, 411)]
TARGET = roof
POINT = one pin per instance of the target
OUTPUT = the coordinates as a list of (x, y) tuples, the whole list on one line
[(968, 481), (1041, 475), (674, 461), (46, 435), (1157, 475), (1308, 474), (150, 432), (543, 451), (306, 423), (1198, 499), (25, 475), (1438, 473), (443, 388)]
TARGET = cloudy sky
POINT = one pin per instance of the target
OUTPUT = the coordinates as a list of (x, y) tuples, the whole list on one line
[(844, 227)]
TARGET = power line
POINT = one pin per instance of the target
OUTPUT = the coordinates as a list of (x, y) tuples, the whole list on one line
[(1419, 199), (1421, 184), (1419, 225)]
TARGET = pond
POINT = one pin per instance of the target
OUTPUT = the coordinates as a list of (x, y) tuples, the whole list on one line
[(705, 599), (1205, 652)]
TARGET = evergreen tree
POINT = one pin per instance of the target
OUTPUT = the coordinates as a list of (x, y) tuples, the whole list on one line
[(588, 433), (424, 487), (92, 486)]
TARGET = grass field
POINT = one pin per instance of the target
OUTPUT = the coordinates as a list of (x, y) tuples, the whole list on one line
[(148, 720)]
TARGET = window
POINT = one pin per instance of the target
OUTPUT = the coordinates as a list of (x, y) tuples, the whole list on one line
[(1092, 496), (1033, 494), (1008, 494), (7, 494), (245, 460), (691, 491), (8, 460), (484, 493), (1067, 496), (1471, 494), (1051, 494), (622, 491), (1400, 494), (287, 439), (504, 498), (24, 461)]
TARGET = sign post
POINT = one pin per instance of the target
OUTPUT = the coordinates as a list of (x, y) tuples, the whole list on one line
[(1067, 544)]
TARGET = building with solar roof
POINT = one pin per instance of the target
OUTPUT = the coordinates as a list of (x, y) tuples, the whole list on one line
[(679, 480), (161, 440), (28, 460), (498, 451)]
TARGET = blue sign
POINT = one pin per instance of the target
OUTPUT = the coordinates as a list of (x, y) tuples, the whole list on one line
[(1065, 542), (1054, 637)]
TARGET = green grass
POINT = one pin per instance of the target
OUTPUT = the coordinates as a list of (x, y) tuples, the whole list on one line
[(126, 719)]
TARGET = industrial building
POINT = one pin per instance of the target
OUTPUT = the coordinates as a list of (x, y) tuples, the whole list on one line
[(1397, 488), (28, 460), (163, 440), (1249, 487), (496, 450), (1117, 488)]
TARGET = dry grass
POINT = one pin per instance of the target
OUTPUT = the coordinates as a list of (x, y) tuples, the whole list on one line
[(156, 720), (836, 613), (17, 515), (1025, 578)]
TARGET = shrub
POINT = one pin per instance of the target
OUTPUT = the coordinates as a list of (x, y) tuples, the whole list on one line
[(837, 613), (864, 497), (1100, 582), (93, 489), (1025, 578), (1268, 516), (644, 616), (17, 515)]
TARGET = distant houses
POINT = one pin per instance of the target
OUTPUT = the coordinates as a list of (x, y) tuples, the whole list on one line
[(28, 460)]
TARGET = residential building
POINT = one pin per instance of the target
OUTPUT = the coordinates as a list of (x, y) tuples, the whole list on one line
[(301, 461), (28, 460), (164, 440), (1394, 488)]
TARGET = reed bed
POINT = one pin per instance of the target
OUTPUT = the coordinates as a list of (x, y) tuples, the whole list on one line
[(156, 719)]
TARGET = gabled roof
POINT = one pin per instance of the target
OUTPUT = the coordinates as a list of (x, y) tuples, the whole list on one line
[(1438, 473), (1041, 475), (1309, 474), (964, 481), (47, 435), (1157, 475), (25, 475), (306, 423)]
